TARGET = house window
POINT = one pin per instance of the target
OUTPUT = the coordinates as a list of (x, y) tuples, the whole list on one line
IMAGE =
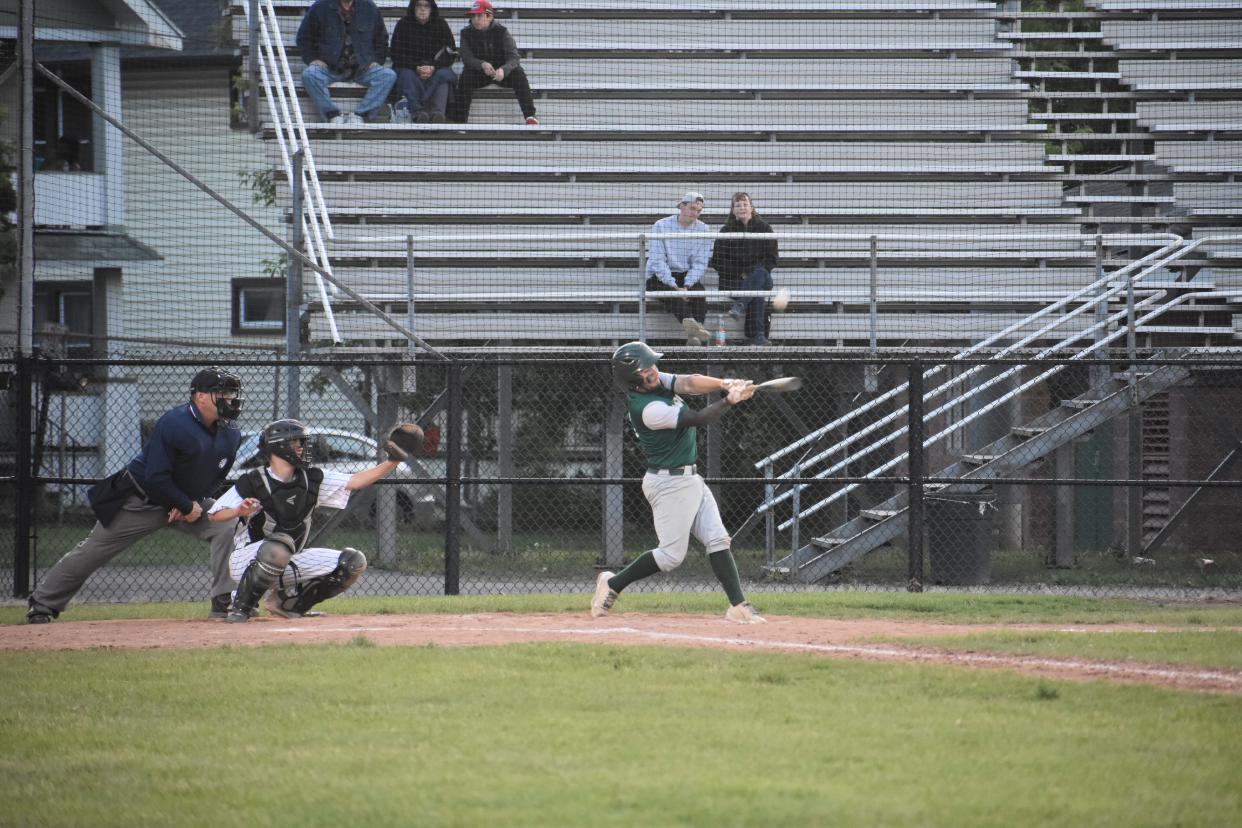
[(258, 306), (61, 310)]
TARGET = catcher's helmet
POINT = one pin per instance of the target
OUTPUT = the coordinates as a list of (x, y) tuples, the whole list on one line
[(216, 381), (277, 439), (628, 360)]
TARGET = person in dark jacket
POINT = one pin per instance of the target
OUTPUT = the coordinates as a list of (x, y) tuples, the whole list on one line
[(169, 483), (746, 264), (423, 50), (490, 55), (345, 40)]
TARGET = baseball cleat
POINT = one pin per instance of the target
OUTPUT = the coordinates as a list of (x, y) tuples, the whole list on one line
[(272, 604), (605, 596), (744, 613)]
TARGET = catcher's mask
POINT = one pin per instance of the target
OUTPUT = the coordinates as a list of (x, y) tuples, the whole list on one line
[(628, 360), (283, 438), (225, 389)]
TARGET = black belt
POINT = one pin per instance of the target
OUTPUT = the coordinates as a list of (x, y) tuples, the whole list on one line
[(677, 471)]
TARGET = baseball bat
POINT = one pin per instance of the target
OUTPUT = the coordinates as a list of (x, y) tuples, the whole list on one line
[(780, 386)]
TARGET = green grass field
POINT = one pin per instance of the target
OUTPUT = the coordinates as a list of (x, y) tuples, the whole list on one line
[(572, 734)]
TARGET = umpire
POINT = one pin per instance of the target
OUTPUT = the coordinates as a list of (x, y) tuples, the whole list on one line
[(186, 459)]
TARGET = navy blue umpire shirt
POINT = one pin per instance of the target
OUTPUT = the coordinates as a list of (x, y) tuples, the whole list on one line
[(184, 461)]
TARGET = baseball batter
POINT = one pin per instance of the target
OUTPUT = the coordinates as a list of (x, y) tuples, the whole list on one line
[(681, 503), (272, 508)]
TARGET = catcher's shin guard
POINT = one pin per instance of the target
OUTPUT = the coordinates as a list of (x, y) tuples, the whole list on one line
[(349, 569), (261, 574)]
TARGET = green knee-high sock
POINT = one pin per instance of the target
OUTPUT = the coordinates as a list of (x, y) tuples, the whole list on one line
[(725, 570), (641, 567)]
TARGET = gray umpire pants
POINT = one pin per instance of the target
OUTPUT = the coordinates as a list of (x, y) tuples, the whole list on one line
[(136, 520)]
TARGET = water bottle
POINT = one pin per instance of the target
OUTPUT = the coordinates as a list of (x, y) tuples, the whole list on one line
[(721, 338)]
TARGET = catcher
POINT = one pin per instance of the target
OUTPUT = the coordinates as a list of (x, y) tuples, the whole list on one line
[(273, 509), (681, 503)]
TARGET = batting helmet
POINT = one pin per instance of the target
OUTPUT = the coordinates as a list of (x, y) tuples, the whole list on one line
[(217, 381), (277, 439), (628, 360)]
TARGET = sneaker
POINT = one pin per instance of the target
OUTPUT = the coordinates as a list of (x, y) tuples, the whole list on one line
[(220, 606), (271, 603), (237, 617), (531, 120), (694, 328), (338, 119), (737, 311), (354, 119), (39, 614), (744, 613), (760, 340), (604, 597), (422, 118), (438, 118)]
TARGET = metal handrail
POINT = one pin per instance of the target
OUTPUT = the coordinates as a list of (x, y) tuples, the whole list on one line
[(1164, 257), (1160, 311), (979, 346), (291, 136)]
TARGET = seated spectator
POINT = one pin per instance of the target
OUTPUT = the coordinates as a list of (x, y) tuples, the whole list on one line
[(423, 50), (490, 55), (744, 264), (345, 40), (678, 265)]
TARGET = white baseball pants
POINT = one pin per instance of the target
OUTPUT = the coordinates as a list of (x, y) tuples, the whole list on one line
[(309, 563)]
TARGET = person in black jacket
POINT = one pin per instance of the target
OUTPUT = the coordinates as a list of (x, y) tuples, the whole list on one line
[(745, 264), (423, 50), (490, 55)]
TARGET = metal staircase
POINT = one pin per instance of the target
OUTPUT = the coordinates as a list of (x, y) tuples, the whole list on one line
[(1123, 304)]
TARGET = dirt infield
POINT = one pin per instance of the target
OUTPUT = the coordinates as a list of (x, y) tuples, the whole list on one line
[(813, 636)]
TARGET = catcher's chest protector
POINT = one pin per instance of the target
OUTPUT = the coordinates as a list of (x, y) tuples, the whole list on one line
[(287, 506)]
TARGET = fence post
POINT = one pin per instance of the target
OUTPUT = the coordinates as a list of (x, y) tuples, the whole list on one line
[(252, 69), (1099, 373), (642, 287), (914, 511), (871, 377), (769, 521), (293, 296), (24, 518), (1134, 436), (452, 494)]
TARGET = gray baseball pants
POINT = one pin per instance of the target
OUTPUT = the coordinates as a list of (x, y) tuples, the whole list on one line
[(681, 507), (136, 520)]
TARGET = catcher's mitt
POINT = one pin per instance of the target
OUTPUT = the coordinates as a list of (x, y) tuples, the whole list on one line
[(403, 441)]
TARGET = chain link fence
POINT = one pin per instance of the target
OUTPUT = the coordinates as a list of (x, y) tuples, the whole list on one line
[(1100, 477)]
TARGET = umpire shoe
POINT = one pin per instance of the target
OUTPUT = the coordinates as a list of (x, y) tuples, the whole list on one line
[(744, 613), (219, 606), (605, 596), (39, 614)]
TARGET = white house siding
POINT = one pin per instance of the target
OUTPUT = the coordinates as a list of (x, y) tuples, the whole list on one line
[(184, 112)]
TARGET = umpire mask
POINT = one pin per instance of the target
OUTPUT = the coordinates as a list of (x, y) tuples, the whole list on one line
[(225, 388), (283, 438)]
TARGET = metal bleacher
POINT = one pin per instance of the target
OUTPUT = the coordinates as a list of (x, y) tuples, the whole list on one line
[(939, 126)]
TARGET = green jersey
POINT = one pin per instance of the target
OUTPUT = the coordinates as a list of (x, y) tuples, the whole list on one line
[(670, 446)]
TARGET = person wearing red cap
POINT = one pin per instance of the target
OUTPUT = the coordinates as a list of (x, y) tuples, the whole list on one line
[(490, 56)]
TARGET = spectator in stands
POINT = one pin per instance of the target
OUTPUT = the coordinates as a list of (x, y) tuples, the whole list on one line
[(490, 55), (746, 264), (678, 265), (345, 40), (423, 50)]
